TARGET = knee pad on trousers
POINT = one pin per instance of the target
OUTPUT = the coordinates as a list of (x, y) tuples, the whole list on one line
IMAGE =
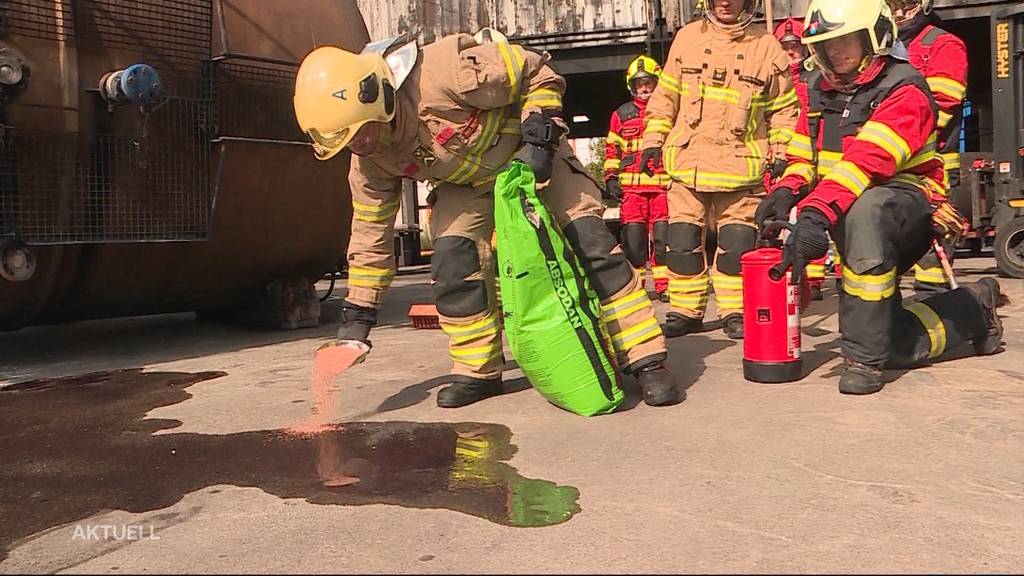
[(593, 243), (733, 241), (455, 259), (635, 243), (685, 255), (660, 242)]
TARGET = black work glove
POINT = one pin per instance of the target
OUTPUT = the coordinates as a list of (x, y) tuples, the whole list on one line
[(540, 138), (614, 188), (776, 206), (356, 322), (650, 160), (808, 241), (777, 168)]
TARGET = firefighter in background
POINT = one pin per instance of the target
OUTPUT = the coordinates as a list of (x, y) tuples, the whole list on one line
[(725, 104), (643, 199), (941, 58), (869, 142), (789, 32), (455, 113)]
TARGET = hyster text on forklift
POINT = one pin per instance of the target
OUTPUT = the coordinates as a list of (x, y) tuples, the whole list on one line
[(991, 193)]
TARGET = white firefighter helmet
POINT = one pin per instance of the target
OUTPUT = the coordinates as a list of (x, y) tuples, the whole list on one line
[(870, 19)]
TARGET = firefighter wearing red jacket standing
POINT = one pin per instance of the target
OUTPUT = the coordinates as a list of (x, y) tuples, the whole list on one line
[(941, 58), (644, 198), (864, 164)]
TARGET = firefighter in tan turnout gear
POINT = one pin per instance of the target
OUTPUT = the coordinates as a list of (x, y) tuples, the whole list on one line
[(725, 105), (455, 113)]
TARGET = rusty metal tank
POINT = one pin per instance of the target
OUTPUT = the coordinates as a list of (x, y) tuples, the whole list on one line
[(204, 197)]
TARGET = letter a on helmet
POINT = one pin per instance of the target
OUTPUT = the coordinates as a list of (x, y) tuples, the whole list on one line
[(337, 92)]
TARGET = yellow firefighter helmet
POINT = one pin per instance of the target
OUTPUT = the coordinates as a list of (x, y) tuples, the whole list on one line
[(750, 10), (337, 92), (641, 67), (828, 19)]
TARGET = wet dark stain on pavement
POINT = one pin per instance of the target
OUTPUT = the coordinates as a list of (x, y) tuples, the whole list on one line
[(75, 447)]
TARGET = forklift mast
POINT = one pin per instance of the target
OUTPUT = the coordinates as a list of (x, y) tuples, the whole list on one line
[(1008, 99)]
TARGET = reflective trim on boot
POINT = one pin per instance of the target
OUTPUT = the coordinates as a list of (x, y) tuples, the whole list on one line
[(465, 390), (860, 379)]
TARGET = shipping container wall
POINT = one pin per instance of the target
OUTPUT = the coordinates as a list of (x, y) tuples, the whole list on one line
[(431, 19)]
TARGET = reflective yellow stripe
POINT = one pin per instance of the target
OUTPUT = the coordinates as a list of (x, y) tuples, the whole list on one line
[(713, 179), (642, 332), (642, 179), (951, 160), (947, 87), (657, 125), (944, 118), (800, 147), (512, 126), (887, 139), (460, 334), (371, 213), (867, 287), (543, 98), (659, 271), (729, 301), (690, 302), (727, 282), (929, 275), (616, 139), (720, 94), (625, 306), (476, 356), (370, 277), (850, 176), (815, 271), (827, 160), (781, 135), (932, 325), (515, 72), (612, 164), (493, 119), (673, 84), (688, 285), (784, 100), (801, 169)]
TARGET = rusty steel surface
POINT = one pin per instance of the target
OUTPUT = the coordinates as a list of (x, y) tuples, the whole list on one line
[(221, 160)]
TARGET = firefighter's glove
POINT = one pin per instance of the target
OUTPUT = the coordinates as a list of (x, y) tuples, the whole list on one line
[(947, 222), (808, 242), (540, 138), (614, 189), (776, 206), (650, 160), (777, 168), (356, 322)]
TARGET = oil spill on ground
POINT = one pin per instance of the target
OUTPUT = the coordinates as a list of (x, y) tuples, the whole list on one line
[(75, 447)]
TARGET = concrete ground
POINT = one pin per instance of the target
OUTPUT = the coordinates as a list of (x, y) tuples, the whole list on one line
[(180, 461)]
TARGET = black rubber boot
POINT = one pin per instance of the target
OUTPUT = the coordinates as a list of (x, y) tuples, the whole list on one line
[(465, 390), (989, 296), (816, 293), (732, 325), (860, 379), (678, 325), (659, 385)]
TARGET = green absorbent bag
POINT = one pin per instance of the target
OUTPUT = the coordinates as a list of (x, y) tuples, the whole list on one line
[(552, 316)]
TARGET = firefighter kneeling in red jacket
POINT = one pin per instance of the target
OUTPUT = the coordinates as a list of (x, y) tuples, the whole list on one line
[(866, 152)]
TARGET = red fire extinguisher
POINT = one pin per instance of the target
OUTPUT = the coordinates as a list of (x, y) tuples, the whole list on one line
[(771, 314)]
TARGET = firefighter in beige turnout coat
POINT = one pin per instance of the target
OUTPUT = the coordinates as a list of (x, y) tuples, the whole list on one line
[(455, 113)]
